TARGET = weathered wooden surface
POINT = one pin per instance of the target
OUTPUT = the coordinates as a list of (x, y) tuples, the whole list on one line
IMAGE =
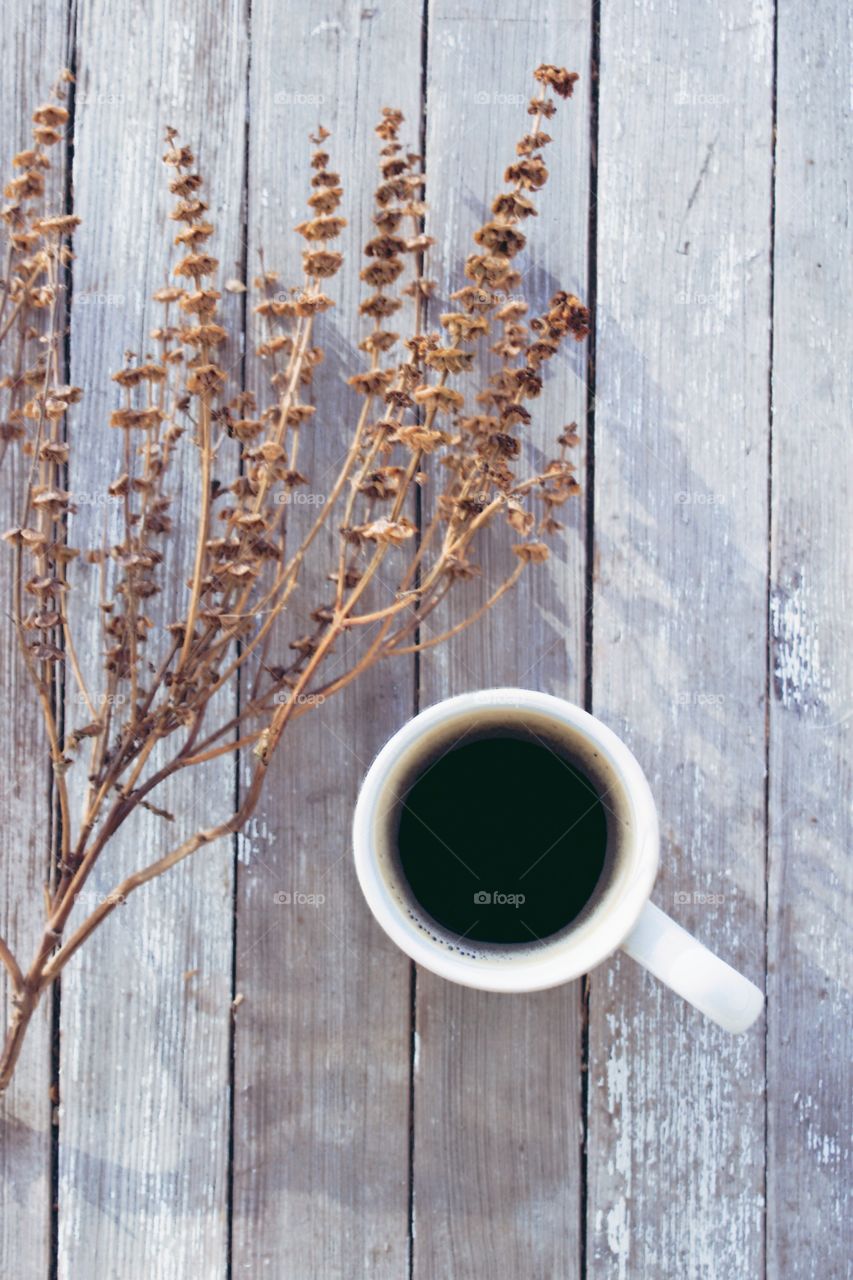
[(498, 1087), (36, 49), (676, 1131), (145, 1020), (321, 1121), (809, 1048), (358, 1119)]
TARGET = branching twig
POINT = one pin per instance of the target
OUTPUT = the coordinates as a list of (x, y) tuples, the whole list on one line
[(156, 714)]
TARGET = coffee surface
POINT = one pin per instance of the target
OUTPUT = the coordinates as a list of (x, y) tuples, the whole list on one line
[(502, 839)]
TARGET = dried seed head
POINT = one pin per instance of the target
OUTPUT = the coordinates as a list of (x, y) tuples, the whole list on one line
[(50, 114), (557, 78), (532, 552)]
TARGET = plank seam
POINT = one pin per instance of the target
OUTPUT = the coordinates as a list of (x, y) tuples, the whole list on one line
[(769, 634), (416, 689), (58, 687), (238, 755), (589, 571)]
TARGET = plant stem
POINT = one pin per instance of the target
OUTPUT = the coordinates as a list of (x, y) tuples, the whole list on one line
[(24, 1005)]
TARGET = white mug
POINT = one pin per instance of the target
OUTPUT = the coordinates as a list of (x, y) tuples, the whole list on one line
[(619, 913)]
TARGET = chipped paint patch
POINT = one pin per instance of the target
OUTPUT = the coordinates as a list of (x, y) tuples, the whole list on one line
[(618, 1217), (253, 839), (825, 1147), (797, 677)]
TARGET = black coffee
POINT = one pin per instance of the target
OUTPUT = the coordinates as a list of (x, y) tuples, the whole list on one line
[(502, 840)]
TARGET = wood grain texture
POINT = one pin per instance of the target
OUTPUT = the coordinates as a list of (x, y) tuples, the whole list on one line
[(387, 1124), (497, 1125), (811, 709), (144, 1120), (322, 1053), (676, 1107), (32, 51)]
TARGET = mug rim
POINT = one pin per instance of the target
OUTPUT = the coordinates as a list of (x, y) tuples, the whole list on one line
[(569, 955)]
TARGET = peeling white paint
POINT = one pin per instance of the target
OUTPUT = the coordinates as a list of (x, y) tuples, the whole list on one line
[(800, 681), (255, 837)]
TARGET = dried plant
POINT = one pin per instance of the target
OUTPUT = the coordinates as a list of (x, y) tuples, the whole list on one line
[(426, 422)]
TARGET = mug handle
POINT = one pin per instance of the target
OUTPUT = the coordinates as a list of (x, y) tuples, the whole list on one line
[(672, 955)]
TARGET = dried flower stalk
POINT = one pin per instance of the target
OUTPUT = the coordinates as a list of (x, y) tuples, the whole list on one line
[(426, 419)]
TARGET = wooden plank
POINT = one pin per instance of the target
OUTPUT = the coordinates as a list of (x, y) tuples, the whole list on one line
[(497, 1125), (676, 1112), (33, 48), (809, 1045), (144, 1127), (322, 1068), (322, 1062)]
